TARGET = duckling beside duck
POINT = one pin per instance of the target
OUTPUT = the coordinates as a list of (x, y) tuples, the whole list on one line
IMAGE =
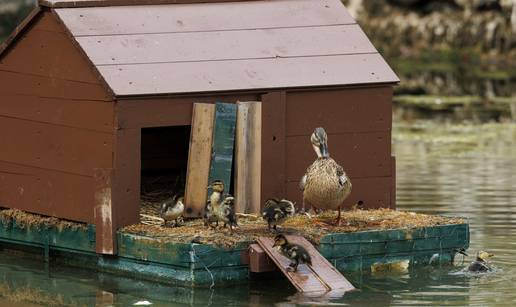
[(277, 211), (296, 253), (172, 210), (220, 207), (481, 264), (325, 185)]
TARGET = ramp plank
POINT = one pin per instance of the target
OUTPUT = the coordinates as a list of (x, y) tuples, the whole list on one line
[(320, 277), (199, 159), (322, 267), (305, 280)]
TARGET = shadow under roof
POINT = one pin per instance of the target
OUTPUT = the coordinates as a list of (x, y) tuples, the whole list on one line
[(224, 46)]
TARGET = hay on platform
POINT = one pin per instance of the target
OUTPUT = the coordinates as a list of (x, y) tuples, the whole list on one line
[(311, 227)]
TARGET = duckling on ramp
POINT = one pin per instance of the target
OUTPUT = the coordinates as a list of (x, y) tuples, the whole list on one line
[(320, 277)]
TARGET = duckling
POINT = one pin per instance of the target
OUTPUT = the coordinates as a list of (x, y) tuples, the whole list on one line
[(172, 209), (481, 265), (325, 185), (277, 211), (220, 207), (226, 213), (294, 252)]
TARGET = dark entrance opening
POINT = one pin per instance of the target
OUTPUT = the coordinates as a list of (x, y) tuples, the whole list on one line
[(164, 159)]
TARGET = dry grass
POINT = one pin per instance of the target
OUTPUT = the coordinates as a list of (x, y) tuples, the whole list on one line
[(29, 220), (312, 228)]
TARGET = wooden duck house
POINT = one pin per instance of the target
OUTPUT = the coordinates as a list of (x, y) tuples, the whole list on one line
[(95, 94)]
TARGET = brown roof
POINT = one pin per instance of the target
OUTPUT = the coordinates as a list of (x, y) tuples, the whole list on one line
[(204, 47)]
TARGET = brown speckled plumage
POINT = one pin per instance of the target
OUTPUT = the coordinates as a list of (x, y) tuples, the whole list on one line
[(323, 188)]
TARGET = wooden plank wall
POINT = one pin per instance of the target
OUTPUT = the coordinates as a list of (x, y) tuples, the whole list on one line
[(56, 125), (358, 122)]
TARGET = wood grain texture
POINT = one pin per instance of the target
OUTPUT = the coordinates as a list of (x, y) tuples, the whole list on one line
[(259, 261), (50, 54), (360, 154), (163, 111), (65, 149), (19, 30), (46, 192), (223, 145), (41, 86), (393, 180), (367, 109), (273, 146), (125, 187), (199, 159), (226, 45), (105, 219), (248, 157), (374, 192), (84, 114), (304, 279), (322, 267), (232, 75), (204, 17)]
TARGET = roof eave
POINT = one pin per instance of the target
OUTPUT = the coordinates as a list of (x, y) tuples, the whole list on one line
[(104, 3), (19, 30), (255, 90)]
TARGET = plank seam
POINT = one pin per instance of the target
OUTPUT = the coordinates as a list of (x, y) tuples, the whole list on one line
[(58, 125), (239, 59), (215, 30), (46, 169)]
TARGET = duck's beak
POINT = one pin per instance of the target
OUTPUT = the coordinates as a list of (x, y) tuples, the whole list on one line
[(275, 244)]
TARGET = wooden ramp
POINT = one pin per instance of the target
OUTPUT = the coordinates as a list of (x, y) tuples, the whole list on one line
[(321, 277)]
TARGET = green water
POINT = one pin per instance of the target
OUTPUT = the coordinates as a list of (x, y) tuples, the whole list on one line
[(442, 168)]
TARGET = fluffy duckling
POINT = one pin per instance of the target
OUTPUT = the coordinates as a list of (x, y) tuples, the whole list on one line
[(294, 252), (277, 211), (172, 209), (220, 207), (226, 213), (481, 264), (325, 185)]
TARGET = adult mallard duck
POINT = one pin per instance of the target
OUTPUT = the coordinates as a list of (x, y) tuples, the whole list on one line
[(172, 209), (481, 264), (219, 207), (294, 252), (277, 211), (325, 184)]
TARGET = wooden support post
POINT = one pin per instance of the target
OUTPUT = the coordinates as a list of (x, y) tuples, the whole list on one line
[(105, 225), (221, 165), (257, 260), (248, 157), (199, 158), (393, 177), (273, 146)]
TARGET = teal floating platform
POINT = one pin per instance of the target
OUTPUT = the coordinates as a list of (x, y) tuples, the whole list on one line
[(201, 265)]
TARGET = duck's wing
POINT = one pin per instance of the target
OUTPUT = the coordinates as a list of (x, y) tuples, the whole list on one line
[(271, 202), (342, 175), (302, 183)]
